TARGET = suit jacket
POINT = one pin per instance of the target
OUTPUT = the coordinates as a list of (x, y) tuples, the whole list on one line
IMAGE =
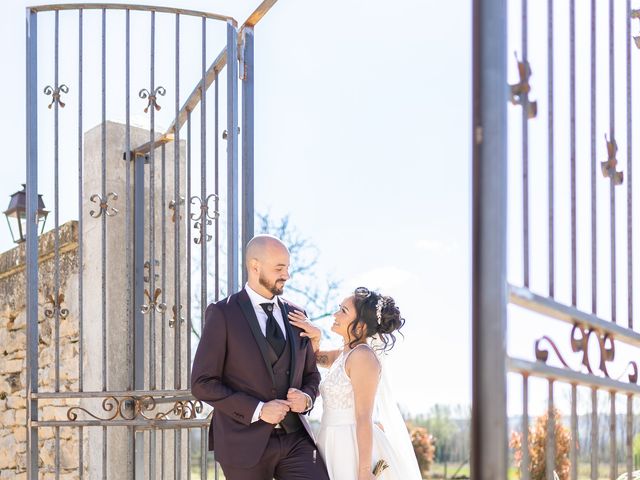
[(231, 372)]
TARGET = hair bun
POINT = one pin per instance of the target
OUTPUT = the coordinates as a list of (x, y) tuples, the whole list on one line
[(390, 317)]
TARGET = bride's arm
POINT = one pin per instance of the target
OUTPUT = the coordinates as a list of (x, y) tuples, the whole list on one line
[(324, 358), (363, 368)]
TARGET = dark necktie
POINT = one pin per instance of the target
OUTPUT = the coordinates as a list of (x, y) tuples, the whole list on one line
[(274, 333)]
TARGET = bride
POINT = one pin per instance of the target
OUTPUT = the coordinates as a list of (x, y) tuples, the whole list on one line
[(361, 428)]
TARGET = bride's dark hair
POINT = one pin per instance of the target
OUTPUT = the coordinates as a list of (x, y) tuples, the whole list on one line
[(366, 323)]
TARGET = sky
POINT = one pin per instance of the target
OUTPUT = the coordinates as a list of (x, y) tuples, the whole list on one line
[(362, 119)]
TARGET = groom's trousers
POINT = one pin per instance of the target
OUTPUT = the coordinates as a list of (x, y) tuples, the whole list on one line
[(288, 456)]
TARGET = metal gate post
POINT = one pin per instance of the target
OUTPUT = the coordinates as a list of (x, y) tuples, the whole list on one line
[(232, 160), (32, 243), (489, 420)]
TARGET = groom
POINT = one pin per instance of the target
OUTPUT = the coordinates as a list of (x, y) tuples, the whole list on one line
[(259, 375)]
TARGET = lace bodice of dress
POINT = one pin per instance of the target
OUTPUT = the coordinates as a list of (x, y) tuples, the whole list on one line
[(335, 387)]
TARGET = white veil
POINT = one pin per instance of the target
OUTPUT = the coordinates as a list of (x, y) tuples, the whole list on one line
[(387, 413)]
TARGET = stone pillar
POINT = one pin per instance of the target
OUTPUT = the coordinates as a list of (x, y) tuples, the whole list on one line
[(117, 287)]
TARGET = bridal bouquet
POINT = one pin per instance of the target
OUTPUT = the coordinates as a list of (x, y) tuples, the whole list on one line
[(380, 467)]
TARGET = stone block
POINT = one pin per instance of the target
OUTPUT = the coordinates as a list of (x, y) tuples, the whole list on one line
[(16, 401), (9, 417), (11, 366)]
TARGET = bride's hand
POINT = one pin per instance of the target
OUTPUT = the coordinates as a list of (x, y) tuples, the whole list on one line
[(309, 330)]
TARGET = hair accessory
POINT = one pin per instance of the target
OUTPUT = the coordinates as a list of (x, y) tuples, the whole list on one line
[(382, 302), (362, 292)]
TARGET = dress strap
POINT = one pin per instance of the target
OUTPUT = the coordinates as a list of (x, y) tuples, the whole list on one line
[(347, 353)]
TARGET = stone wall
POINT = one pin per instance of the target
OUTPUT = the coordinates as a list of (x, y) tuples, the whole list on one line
[(13, 344)]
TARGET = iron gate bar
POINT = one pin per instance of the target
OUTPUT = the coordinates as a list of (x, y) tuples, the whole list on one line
[(203, 177), (612, 175), (550, 145), (525, 148), (553, 309), (613, 450), (177, 371), (232, 164), (103, 143), (629, 174), (550, 436), (32, 237), (152, 219), (594, 434), (157, 394), (594, 211), (524, 471), (80, 238), (125, 6), (187, 205), (56, 216), (572, 140), (163, 267), (216, 221), (152, 246), (629, 433), (573, 447), (549, 372), (140, 425), (247, 138), (176, 225), (127, 227)]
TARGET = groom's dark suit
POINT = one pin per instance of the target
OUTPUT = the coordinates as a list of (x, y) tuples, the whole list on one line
[(234, 369)]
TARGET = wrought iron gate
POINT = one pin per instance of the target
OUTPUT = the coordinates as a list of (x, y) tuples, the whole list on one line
[(160, 213), (553, 234)]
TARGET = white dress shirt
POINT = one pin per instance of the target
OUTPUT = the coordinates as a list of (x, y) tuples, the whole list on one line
[(256, 300)]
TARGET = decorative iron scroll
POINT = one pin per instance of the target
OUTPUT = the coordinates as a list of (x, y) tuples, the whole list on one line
[(177, 314), (636, 14), (160, 307), (147, 269), (56, 306), (204, 218), (125, 408), (183, 409), (609, 167), (580, 344), (132, 408), (55, 94), (104, 205), (520, 91), (173, 205), (152, 97)]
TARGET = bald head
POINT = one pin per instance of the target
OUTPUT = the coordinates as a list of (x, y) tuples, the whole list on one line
[(267, 262), (261, 247)]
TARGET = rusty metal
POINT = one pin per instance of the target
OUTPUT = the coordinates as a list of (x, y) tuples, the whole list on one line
[(56, 94), (520, 91), (56, 307), (103, 203)]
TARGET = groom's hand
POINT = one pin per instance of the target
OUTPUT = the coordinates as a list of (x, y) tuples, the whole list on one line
[(298, 401), (274, 411)]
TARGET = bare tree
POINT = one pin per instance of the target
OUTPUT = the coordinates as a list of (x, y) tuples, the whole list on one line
[(317, 295), (306, 287)]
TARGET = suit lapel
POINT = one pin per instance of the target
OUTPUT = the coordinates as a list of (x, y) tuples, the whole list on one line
[(292, 339), (247, 309)]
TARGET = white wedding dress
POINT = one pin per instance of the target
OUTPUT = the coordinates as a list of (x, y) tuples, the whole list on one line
[(337, 440)]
